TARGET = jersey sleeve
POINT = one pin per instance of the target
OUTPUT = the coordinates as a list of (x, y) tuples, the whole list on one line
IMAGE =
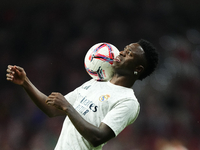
[(122, 115), (71, 96)]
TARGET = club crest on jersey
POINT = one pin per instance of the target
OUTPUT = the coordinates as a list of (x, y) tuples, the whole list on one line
[(103, 98)]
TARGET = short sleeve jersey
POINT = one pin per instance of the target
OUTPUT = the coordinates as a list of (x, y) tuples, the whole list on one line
[(97, 102)]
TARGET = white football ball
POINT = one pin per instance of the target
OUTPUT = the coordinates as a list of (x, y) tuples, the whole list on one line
[(98, 61)]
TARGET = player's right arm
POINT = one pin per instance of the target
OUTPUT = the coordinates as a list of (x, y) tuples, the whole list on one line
[(17, 75)]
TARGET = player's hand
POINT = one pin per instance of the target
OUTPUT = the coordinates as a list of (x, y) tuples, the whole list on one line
[(15, 74), (57, 100)]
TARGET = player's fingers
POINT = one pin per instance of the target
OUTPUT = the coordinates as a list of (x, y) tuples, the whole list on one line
[(47, 100), (50, 102), (19, 68), (10, 71), (51, 97), (9, 77), (10, 66), (55, 93)]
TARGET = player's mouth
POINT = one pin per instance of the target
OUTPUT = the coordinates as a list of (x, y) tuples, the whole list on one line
[(117, 59)]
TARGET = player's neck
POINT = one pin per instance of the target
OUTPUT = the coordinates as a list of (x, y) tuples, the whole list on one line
[(126, 81)]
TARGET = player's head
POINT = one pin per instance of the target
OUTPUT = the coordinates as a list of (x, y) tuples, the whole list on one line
[(138, 60), (151, 57)]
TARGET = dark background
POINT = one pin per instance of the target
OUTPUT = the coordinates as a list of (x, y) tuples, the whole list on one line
[(49, 39)]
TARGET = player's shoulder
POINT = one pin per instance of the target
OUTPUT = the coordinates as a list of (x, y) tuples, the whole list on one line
[(89, 82), (129, 101)]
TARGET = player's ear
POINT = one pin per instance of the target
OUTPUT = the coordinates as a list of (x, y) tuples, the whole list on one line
[(139, 69)]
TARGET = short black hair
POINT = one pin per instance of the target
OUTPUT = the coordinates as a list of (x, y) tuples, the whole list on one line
[(151, 56)]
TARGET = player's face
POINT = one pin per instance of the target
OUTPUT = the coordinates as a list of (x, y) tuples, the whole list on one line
[(129, 59)]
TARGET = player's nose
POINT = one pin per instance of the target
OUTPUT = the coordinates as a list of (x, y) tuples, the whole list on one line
[(122, 53)]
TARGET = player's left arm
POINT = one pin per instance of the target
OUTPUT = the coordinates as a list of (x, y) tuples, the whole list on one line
[(95, 135)]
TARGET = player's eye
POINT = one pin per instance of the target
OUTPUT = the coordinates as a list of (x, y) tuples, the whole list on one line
[(129, 52)]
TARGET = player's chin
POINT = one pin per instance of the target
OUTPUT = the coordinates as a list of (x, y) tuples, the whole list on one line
[(115, 64)]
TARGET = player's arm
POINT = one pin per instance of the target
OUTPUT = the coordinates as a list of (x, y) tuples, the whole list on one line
[(95, 135), (17, 75)]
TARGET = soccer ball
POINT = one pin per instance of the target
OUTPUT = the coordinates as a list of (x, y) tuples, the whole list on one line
[(98, 61)]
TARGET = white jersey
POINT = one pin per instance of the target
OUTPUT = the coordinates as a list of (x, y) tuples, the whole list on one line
[(97, 102)]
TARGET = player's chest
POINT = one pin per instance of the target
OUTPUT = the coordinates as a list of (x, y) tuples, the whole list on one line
[(92, 100)]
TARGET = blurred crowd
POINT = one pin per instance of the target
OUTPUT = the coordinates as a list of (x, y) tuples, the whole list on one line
[(49, 39)]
